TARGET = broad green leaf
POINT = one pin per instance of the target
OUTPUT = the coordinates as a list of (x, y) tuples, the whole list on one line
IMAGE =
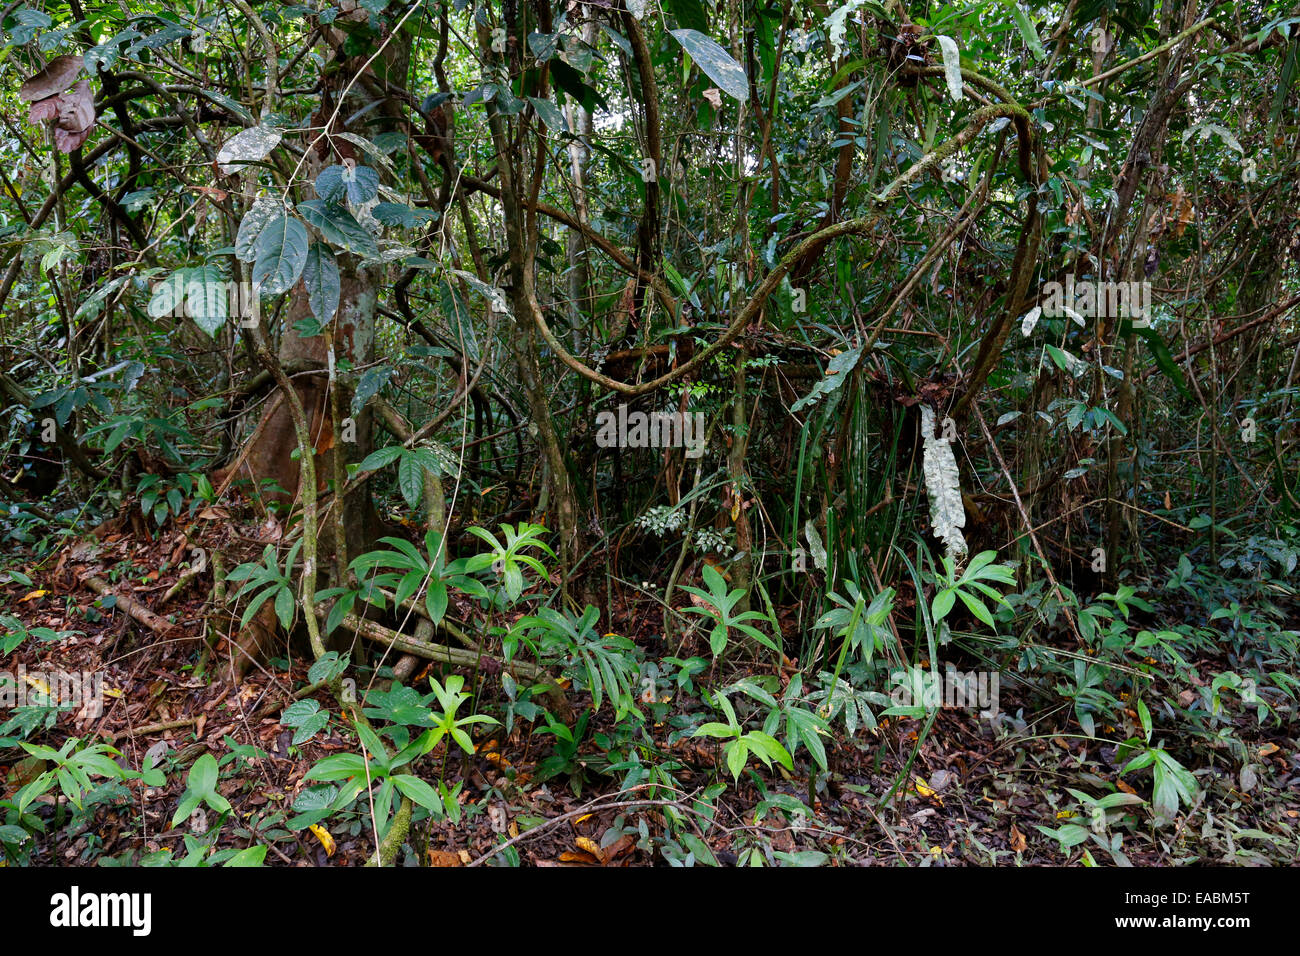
[(281, 255), (320, 276), (339, 227)]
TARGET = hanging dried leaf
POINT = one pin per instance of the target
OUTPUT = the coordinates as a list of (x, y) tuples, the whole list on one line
[(76, 117), (52, 80), (943, 484), (43, 110)]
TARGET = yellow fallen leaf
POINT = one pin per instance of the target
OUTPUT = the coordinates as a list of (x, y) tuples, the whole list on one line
[(1066, 815), (585, 816), (1268, 749), (923, 788), (32, 596), (323, 835), (40, 685), (590, 846)]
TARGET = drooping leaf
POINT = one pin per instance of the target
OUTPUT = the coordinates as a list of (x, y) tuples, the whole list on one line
[(943, 485), (53, 80), (410, 478), (1028, 33), (255, 220), (76, 117), (320, 276), (951, 65), (281, 254), (550, 114)]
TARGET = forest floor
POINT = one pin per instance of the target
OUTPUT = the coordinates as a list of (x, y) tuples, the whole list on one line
[(965, 790)]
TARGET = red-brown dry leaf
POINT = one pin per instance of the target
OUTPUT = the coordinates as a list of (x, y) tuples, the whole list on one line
[(52, 80)]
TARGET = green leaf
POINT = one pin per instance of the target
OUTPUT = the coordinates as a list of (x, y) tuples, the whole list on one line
[(339, 227), (688, 13), (1028, 33), (203, 775), (381, 458), (320, 275), (419, 791), (550, 114), (943, 602), (837, 373), (1164, 361), (281, 255), (410, 478), (357, 184), (251, 856), (716, 62), (737, 753)]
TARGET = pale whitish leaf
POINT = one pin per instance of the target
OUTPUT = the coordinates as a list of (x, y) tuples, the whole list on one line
[(281, 255), (816, 549), (1030, 320), (495, 296), (943, 485), (716, 62), (837, 26), (247, 147), (259, 214), (320, 275), (951, 65), (1008, 417), (836, 373)]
